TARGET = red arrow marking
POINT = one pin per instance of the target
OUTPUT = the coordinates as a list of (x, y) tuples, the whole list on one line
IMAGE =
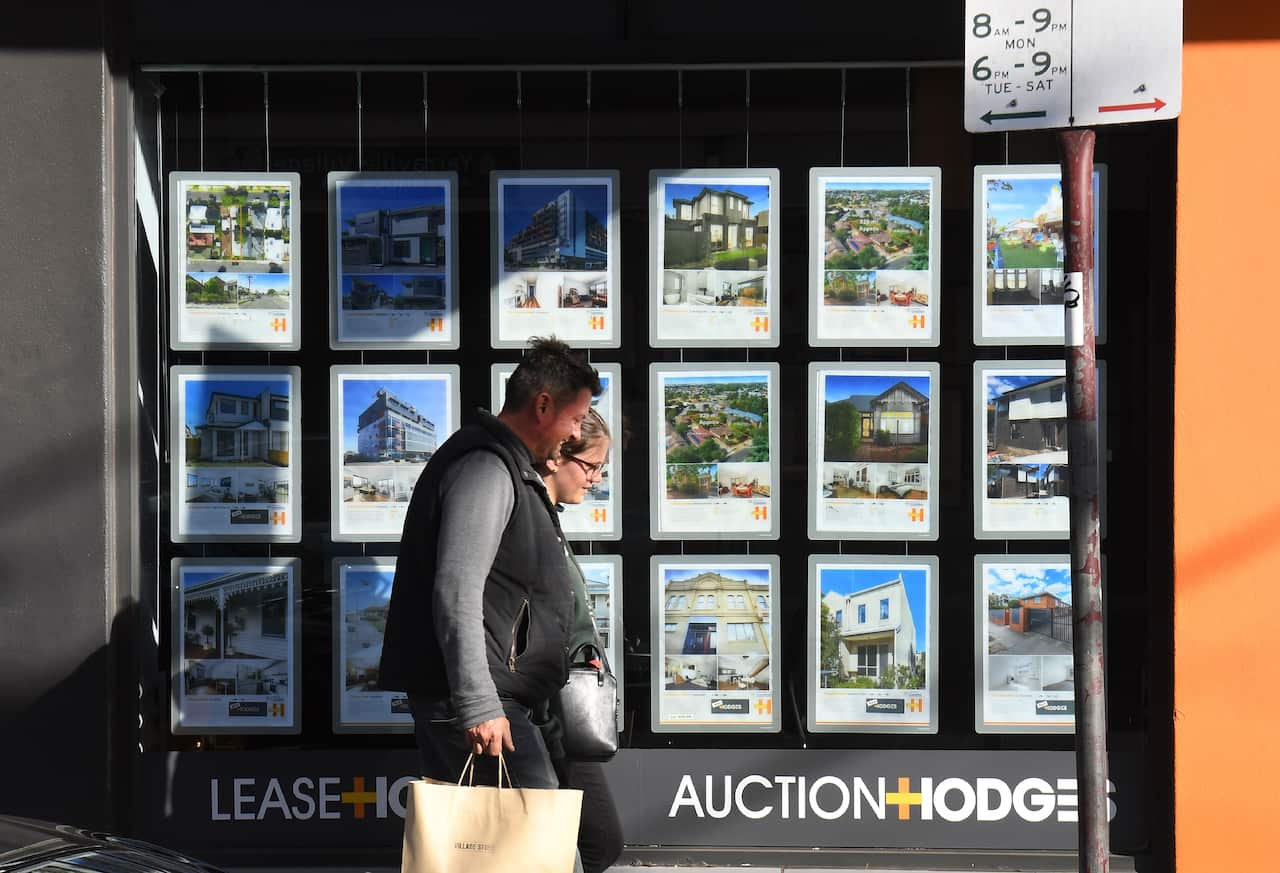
[(1156, 105)]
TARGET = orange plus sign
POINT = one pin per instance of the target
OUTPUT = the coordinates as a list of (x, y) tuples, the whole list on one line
[(904, 798), (359, 798)]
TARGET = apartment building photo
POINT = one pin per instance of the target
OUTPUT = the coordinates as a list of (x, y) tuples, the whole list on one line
[(391, 430), (709, 613)]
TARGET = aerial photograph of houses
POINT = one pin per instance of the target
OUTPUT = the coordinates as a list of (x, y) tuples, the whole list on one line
[(237, 228), (554, 227), (1023, 219), (236, 423), (366, 595), (719, 227), (712, 418), (876, 225), (390, 428), (876, 417), (716, 611), (393, 293), (1026, 424), (237, 290), (873, 627), (393, 228)]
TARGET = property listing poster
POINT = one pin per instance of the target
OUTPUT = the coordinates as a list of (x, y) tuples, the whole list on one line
[(1021, 477), (235, 639), (393, 256), (716, 665), (873, 470), (1020, 254), (387, 422), (714, 471), (599, 515), (556, 258), (362, 594), (714, 271), (603, 574), (234, 255), (873, 644), (875, 270), (1024, 669), (234, 449)]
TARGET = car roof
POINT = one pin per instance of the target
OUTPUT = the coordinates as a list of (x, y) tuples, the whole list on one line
[(24, 842)]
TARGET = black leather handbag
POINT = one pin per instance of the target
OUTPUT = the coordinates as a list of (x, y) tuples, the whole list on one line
[(588, 708)]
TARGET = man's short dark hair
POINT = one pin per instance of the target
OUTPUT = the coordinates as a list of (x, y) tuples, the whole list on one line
[(551, 366)]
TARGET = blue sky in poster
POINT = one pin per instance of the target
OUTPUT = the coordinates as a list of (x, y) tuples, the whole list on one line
[(1025, 580), (751, 574), (850, 580), (729, 379), (1002, 383), (757, 194), (428, 396), (355, 199), (200, 390), (599, 573), (1024, 199), (842, 385), (521, 200), (365, 588)]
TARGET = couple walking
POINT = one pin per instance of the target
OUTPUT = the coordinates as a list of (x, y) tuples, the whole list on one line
[(488, 600)]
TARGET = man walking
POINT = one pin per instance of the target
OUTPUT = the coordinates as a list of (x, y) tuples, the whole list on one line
[(482, 602)]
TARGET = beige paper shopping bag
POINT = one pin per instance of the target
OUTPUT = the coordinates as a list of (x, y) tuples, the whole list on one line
[(457, 828)]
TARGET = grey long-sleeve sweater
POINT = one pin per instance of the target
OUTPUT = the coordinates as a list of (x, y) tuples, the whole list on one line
[(477, 499)]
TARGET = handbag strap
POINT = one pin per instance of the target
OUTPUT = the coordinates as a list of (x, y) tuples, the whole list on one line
[(604, 659)]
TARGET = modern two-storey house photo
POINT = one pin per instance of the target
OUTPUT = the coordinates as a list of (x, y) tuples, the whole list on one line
[(716, 227), (1028, 417), (240, 428), (874, 633)]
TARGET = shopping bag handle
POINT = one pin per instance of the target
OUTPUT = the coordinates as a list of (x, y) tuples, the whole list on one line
[(469, 769)]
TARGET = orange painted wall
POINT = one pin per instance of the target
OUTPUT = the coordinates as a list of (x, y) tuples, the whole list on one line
[(1227, 490)]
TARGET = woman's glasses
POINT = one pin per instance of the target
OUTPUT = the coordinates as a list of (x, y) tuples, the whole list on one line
[(588, 469)]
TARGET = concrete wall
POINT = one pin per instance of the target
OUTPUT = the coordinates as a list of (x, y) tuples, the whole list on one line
[(58, 436)]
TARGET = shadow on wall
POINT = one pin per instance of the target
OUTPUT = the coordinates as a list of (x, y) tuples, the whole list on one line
[(64, 758)]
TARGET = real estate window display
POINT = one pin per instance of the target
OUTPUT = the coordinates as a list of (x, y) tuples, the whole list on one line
[(786, 489)]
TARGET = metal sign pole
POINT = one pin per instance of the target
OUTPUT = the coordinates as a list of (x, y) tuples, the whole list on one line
[(1082, 442)]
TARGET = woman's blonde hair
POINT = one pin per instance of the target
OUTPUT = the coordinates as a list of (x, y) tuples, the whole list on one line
[(593, 432)]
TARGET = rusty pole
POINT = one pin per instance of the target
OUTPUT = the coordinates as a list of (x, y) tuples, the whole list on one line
[(1086, 558)]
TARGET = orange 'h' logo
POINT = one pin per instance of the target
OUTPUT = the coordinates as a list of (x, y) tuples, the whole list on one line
[(760, 513), (917, 515), (279, 325), (277, 517), (917, 321), (599, 516), (436, 325), (760, 323), (597, 322)]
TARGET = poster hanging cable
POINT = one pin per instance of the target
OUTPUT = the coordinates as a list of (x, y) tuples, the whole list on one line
[(426, 124), (844, 102), (908, 87), (200, 88), (266, 114), (588, 119), (747, 101), (680, 112), (520, 114), (360, 121)]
